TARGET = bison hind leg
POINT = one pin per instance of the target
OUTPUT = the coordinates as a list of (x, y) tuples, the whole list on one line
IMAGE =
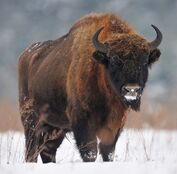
[(50, 139)]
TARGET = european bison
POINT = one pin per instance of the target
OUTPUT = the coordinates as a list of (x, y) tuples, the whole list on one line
[(84, 82)]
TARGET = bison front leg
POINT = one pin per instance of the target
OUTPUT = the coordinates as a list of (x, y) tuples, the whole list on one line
[(85, 136), (107, 151), (107, 144)]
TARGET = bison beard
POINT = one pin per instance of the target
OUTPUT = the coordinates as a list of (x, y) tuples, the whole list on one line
[(133, 104), (81, 82)]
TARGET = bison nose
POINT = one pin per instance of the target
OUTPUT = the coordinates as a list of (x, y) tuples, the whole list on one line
[(131, 88), (131, 92)]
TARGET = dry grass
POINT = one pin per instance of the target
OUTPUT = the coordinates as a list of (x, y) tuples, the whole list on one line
[(133, 145), (152, 115), (9, 116)]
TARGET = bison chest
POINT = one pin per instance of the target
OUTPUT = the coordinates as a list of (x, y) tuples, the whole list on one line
[(113, 125)]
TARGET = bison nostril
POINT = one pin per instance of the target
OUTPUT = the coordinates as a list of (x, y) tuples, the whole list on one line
[(125, 89), (138, 89)]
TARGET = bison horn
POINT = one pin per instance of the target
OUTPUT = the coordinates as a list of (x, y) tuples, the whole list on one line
[(154, 44), (99, 46)]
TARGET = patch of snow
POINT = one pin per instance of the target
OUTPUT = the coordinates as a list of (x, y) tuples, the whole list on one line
[(137, 151), (94, 168)]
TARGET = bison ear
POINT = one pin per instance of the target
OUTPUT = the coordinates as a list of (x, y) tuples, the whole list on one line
[(100, 57), (154, 56)]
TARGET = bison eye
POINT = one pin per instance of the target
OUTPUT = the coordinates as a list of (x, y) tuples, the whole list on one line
[(115, 60)]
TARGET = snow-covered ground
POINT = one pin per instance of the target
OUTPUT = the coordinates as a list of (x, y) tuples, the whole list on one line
[(137, 151)]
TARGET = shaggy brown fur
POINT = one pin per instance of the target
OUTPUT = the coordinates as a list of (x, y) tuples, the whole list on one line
[(67, 90)]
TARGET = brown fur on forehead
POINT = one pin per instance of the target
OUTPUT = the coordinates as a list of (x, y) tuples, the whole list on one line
[(128, 45), (90, 23)]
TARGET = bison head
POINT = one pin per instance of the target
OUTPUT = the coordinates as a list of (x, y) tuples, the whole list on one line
[(126, 58)]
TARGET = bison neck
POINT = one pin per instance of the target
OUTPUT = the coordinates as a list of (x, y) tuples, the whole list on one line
[(115, 105)]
